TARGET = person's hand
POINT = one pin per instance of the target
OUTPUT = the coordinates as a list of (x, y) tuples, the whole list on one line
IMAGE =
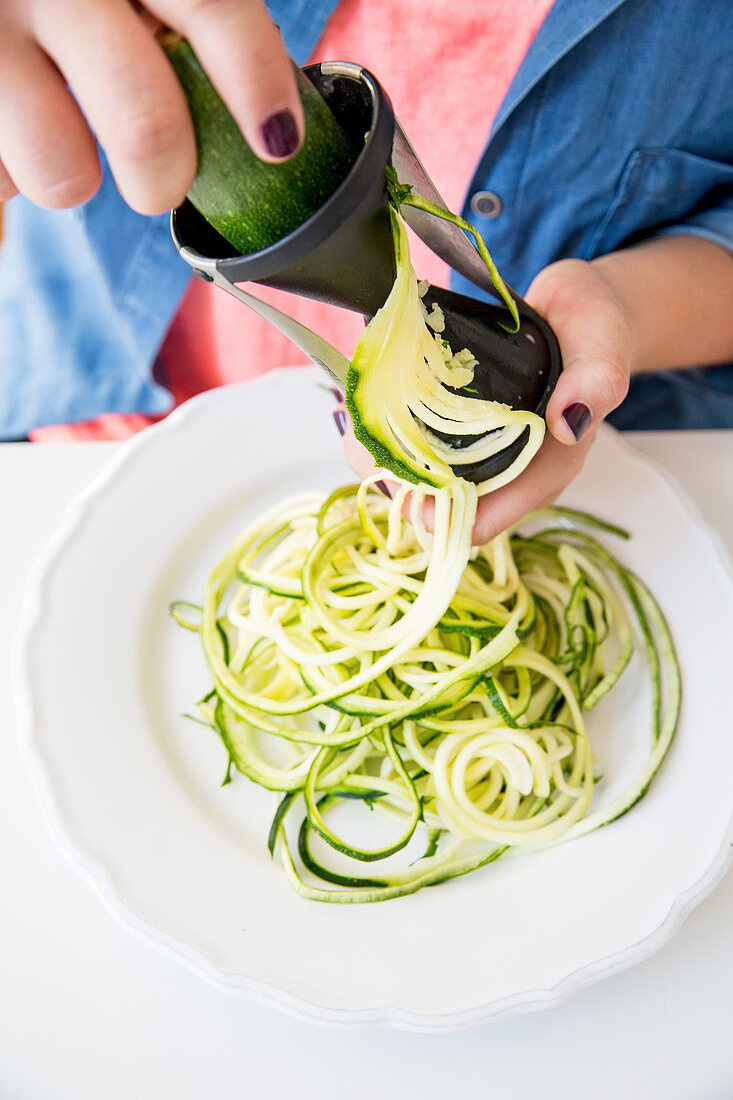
[(596, 339), (71, 68)]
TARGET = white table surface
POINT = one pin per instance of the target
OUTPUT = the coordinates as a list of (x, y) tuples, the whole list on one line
[(87, 1012)]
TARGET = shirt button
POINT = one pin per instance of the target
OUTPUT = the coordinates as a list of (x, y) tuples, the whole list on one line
[(486, 204)]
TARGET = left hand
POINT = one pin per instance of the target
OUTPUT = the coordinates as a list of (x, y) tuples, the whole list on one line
[(596, 338)]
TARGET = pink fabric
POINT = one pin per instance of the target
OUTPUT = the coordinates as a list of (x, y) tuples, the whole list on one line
[(108, 427), (447, 68)]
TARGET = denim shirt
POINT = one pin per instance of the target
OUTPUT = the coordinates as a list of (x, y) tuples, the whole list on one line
[(617, 126)]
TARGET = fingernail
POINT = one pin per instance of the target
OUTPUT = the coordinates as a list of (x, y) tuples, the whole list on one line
[(280, 134), (382, 488), (577, 418), (339, 419)]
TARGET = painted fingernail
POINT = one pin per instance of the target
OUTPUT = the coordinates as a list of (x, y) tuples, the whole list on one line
[(339, 419), (280, 134), (577, 418), (381, 485)]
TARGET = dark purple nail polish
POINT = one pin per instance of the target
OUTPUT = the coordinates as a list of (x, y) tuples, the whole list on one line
[(280, 134), (339, 419), (577, 418), (381, 485)]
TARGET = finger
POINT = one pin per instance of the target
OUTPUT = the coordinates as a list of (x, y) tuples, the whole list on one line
[(7, 187), (357, 456), (553, 467), (131, 97), (549, 472), (595, 342), (149, 21), (47, 150), (242, 51)]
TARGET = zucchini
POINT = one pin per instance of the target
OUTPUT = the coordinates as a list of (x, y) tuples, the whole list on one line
[(444, 688), (251, 203)]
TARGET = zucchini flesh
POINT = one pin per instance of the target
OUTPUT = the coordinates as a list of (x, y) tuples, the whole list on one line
[(397, 395), (442, 689)]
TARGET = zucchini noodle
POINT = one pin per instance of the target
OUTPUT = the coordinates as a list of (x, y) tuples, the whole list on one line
[(358, 659), (397, 397)]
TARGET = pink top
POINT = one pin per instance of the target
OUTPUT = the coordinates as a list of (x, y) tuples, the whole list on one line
[(446, 68)]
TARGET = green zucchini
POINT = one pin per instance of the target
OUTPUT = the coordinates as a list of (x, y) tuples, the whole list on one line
[(254, 204)]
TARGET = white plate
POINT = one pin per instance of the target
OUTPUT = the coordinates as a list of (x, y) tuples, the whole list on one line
[(133, 790)]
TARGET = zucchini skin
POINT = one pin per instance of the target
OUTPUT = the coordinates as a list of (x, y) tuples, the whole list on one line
[(251, 203)]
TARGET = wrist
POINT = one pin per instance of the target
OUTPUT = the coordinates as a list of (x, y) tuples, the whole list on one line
[(675, 291), (613, 269)]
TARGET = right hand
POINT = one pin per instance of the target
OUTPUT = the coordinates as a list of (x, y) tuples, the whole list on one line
[(72, 67)]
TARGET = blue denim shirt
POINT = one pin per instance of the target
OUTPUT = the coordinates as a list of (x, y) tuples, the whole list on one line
[(617, 126)]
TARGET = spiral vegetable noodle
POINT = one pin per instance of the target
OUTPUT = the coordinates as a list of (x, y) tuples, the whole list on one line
[(358, 658), (397, 397)]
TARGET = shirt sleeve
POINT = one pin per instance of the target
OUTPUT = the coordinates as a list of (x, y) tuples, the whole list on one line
[(713, 223)]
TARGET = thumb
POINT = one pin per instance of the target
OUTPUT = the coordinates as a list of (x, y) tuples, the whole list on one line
[(595, 340)]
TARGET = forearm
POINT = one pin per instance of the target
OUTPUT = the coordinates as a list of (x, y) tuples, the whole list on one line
[(677, 292)]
